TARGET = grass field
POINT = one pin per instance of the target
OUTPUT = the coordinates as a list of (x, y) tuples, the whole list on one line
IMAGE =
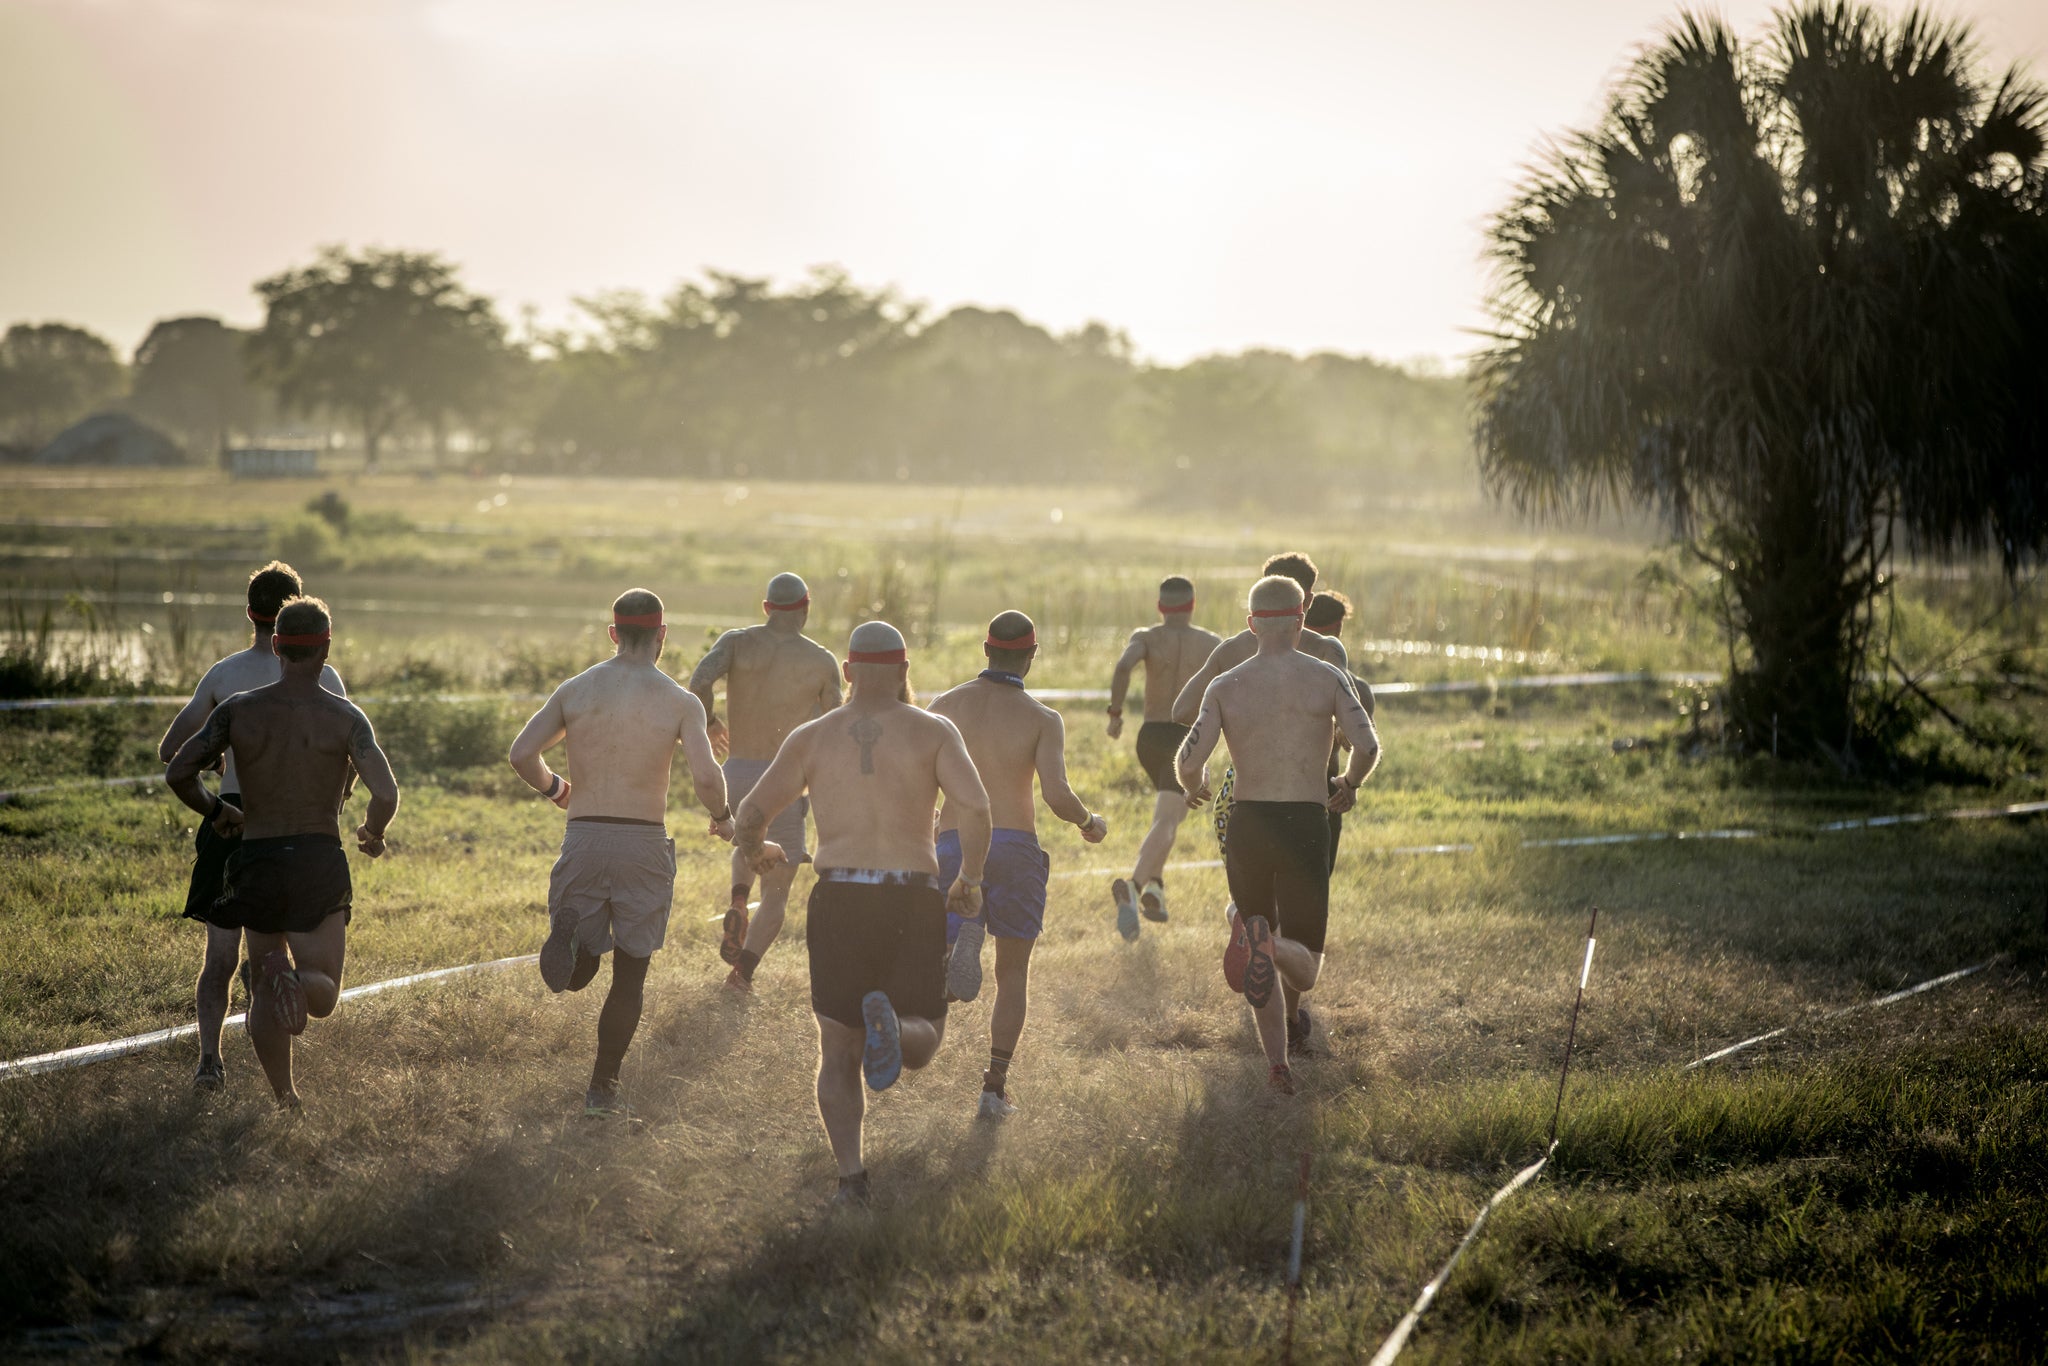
[(1861, 1188)]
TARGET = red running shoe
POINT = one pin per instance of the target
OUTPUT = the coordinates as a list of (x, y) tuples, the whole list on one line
[(1258, 968), (287, 997), (1237, 954)]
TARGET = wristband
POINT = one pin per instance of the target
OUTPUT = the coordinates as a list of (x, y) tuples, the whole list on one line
[(1085, 824), (554, 787), (1116, 711), (721, 820)]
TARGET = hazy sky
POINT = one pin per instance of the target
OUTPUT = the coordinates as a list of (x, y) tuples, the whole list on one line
[(1207, 174)]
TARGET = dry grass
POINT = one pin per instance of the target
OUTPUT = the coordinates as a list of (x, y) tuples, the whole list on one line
[(1866, 1187)]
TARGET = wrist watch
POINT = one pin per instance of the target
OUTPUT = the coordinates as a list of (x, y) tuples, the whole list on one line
[(720, 820)]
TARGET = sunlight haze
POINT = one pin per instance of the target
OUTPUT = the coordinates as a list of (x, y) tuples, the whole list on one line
[(1208, 176)]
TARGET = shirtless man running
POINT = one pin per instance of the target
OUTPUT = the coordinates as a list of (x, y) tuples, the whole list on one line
[(616, 875), (1235, 651), (776, 678), (1011, 739), (875, 768), (1327, 612), (269, 587), (1171, 652), (298, 748), (1275, 711)]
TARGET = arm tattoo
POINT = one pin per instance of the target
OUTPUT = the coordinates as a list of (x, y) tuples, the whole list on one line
[(362, 743), (753, 826), (216, 734), (717, 662), (865, 732)]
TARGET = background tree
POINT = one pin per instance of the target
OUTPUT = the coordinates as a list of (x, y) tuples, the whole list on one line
[(51, 375), (191, 379), (1794, 297), (383, 338)]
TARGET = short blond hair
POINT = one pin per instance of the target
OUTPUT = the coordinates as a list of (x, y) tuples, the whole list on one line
[(1276, 594)]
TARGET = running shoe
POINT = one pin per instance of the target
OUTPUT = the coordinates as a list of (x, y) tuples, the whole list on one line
[(290, 1104), (1258, 968), (735, 936), (881, 1060), (558, 954), (605, 1103), (1281, 1078), (1236, 955), (853, 1190), (1152, 901), (1298, 1028), (1126, 909), (995, 1105), (963, 964), (211, 1076), (287, 997), (738, 985)]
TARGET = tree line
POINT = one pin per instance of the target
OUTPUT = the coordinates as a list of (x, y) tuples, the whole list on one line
[(730, 376)]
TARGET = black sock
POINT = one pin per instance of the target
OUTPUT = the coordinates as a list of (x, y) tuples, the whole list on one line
[(619, 1018), (746, 963), (998, 1075)]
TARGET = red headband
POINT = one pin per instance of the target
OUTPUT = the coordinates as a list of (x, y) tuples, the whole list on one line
[(1279, 612), (877, 656), (797, 606), (644, 619), (258, 617), (321, 639), (1187, 606), (1027, 641)]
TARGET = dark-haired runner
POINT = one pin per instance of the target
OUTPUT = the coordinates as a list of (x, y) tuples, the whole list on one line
[(1327, 612), (874, 769), (269, 588), (1171, 652), (1011, 739), (1275, 711), (286, 887), (613, 882), (776, 678)]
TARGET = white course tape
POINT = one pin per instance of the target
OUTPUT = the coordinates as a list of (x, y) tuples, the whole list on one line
[(1455, 685), (117, 1048), (1398, 1339), (1872, 1004), (80, 782)]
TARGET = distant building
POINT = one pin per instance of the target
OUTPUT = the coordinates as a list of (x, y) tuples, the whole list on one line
[(272, 462), (110, 439)]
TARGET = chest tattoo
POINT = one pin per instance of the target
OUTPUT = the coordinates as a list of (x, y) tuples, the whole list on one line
[(865, 732)]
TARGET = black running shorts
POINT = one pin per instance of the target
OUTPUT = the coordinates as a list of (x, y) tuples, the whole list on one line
[(210, 864), (1278, 864), (1158, 747), (284, 885), (877, 931)]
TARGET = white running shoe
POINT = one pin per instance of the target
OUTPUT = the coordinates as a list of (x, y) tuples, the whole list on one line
[(995, 1105)]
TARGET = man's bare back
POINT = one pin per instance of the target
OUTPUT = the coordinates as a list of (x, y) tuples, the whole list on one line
[(874, 775), (1277, 712), (240, 672), (1012, 739), (622, 720), (1236, 651), (1172, 653), (296, 751), (775, 680)]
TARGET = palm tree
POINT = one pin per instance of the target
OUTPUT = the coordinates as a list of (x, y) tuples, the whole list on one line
[(1794, 297)]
